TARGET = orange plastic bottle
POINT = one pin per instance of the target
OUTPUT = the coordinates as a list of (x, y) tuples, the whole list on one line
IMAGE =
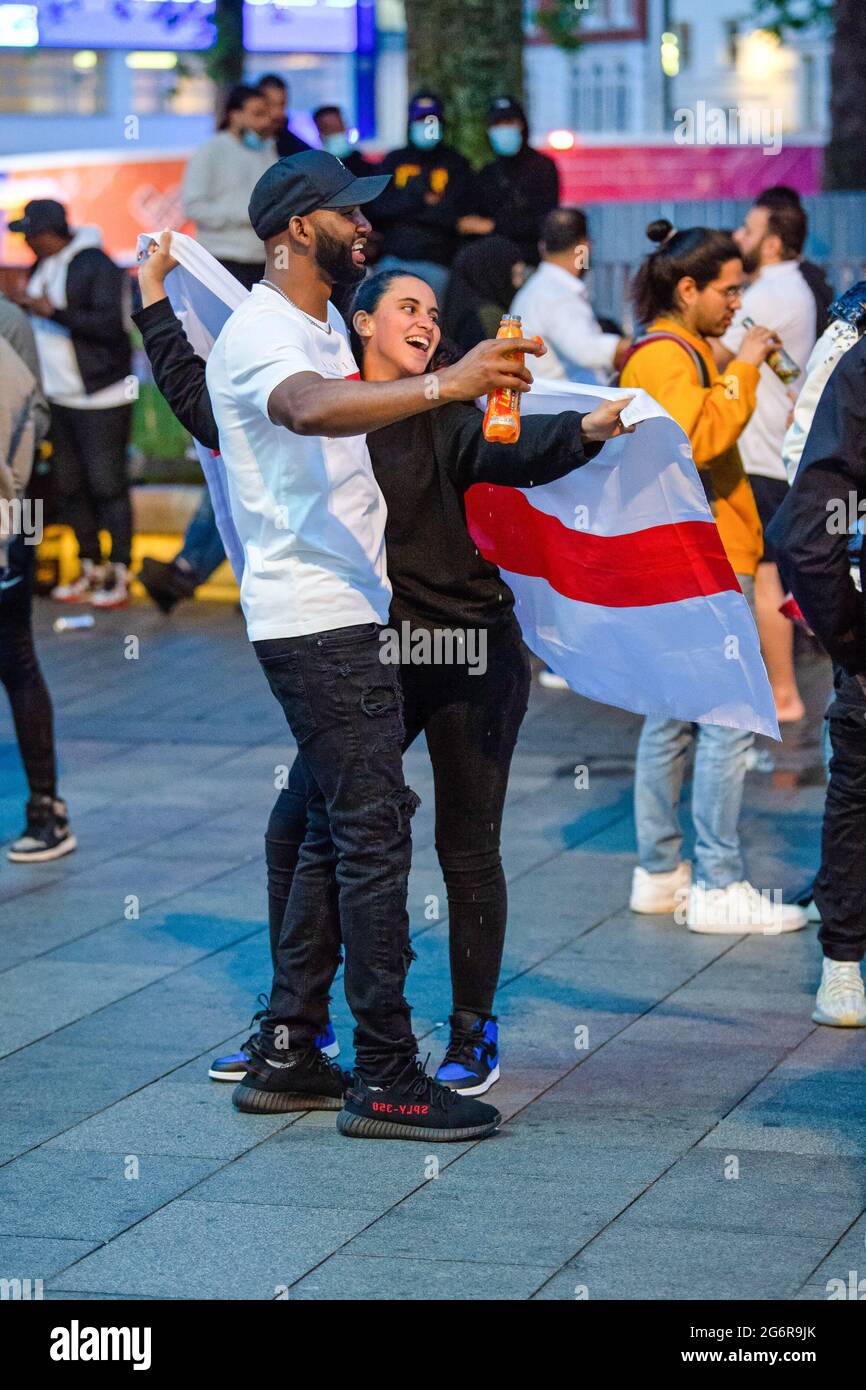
[(502, 416)]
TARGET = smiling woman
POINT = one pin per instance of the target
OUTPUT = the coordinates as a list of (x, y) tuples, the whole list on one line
[(395, 323)]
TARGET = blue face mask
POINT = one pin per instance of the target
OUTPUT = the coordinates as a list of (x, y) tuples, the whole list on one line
[(424, 135), (506, 139), (337, 144), (252, 141)]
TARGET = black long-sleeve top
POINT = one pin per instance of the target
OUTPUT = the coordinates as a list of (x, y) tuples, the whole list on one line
[(423, 465), (517, 192), (810, 529)]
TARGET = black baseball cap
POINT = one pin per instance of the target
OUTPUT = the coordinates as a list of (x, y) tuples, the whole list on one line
[(42, 215), (304, 183), (505, 109)]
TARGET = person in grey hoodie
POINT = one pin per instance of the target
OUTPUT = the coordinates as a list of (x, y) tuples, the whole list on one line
[(220, 178)]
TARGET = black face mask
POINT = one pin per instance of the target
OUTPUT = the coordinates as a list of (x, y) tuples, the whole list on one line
[(334, 259)]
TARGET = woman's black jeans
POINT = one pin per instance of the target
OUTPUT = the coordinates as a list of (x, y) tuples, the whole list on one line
[(471, 724)]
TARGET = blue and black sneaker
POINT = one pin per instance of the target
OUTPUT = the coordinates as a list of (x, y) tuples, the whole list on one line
[(234, 1066), (471, 1063)]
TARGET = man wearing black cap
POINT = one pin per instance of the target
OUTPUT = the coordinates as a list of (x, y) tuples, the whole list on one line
[(77, 297), (418, 213), (512, 194), (292, 415)]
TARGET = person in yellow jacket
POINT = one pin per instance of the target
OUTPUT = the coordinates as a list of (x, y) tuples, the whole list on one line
[(686, 293)]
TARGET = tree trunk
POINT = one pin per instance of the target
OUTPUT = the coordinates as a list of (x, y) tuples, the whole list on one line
[(845, 155), (225, 59), (467, 51)]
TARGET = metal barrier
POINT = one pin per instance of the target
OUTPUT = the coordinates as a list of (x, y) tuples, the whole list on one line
[(837, 239)]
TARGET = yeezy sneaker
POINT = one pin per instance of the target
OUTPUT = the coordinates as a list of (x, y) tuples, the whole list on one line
[(414, 1106)]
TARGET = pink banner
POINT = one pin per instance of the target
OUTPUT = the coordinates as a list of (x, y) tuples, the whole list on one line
[(651, 173)]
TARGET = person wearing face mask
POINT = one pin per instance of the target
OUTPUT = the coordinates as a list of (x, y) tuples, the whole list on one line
[(220, 178), (419, 213), (335, 139), (512, 194)]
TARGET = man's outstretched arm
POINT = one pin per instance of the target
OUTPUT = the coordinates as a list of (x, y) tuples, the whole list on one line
[(307, 403)]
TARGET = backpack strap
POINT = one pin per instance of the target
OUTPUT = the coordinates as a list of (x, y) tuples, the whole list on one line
[(700, 364)]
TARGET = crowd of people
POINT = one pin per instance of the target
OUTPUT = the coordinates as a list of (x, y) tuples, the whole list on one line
[(364, 278)]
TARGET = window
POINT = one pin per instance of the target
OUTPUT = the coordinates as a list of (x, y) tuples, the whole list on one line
[(600, 98), (49, 82), (183, 89)]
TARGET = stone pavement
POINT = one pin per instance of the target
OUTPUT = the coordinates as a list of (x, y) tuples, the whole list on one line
[(676, 1127)]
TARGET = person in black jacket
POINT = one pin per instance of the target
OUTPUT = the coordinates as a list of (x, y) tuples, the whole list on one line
[(419, 212), (276, 93), (471, 708), (811, 531), (78, 298), (512, 194)]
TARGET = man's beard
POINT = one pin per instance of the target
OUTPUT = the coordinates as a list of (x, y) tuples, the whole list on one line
[(751, 260), (334, 259)]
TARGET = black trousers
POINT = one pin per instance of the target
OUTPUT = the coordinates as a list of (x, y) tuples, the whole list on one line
[(840, 887), (32, 713), (92, 479), (344, 708), (471, 723)]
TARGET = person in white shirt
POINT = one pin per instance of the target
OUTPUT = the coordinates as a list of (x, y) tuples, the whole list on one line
[(79, 299), (220, 177), (292, 415), (554, 303), (771, 240)]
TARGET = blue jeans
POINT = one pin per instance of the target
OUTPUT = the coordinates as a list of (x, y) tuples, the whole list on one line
[(437, 276), (345, 710), (203, 549), (717, 792)]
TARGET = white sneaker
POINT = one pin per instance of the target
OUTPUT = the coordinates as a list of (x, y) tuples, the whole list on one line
[(740, 908), (658, 893), (549, 680), (841, 1000), (113, 592), (82, 588)]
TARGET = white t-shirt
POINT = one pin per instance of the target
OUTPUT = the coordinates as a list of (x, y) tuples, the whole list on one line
[(779, 299), (556, 304), (307, 509)]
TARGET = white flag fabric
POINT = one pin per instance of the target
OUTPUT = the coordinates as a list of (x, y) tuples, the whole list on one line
[(620, 579)]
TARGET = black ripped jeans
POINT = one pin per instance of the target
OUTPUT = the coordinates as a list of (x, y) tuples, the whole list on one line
[(471, 723), (344, 708)]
